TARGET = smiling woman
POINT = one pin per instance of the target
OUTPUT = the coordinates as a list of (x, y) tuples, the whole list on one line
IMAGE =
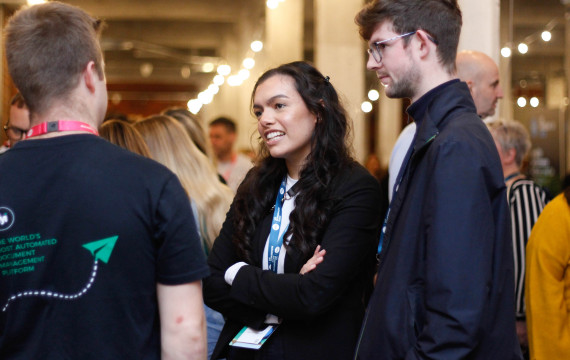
[(307, 197)]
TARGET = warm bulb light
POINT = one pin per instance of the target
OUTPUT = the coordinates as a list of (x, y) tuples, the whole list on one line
[(521, 102), (546, 35), (249, 63), (219, 80), (272, 4), (234, 80), (194, 106), (243, 74), (523, 48), (208, 67), (373, 95), (205, 97), (35, 2), (366, 107), (534, 102), (506, 52), (256, 46), (224, 70), (214, 89)]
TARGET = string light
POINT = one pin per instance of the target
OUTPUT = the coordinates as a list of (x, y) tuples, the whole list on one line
[(224, 70), (523, 48), (208, 67), (249, 63), (243, 74), (366, 107), (546, 35), (214, 89), (272, 4), (219, 80), (256, 46), (506, 52), (521, 102), (373, 95), (534, 102)]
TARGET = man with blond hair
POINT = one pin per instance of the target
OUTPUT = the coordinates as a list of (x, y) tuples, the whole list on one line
[(100, 257)]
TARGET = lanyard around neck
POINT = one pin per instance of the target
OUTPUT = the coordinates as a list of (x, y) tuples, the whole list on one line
[(276, 240), (512, 176), (60, 125)]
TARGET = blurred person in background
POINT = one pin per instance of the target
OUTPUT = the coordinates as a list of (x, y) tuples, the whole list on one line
[(526, 201), (170, 145), (18, 124), (548, 282), (123, 134), (194, 128), (232, 165)]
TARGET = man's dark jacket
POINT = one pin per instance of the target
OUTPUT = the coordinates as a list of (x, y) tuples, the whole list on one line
[(445, 287)]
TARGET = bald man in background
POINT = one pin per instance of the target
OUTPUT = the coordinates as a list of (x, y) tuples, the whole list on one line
[(481, 74)]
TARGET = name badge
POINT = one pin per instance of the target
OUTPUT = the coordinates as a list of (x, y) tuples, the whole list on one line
[(249, 338)]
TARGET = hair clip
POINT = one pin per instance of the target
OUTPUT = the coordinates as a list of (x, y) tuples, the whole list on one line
[(327, 79)]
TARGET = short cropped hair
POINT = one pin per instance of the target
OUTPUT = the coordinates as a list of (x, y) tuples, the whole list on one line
[(440, 18), (47, 48), (18, 101), (229, 124), (511, 135)]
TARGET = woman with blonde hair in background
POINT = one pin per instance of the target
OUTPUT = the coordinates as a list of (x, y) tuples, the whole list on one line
[(123, 134), (170, 145)]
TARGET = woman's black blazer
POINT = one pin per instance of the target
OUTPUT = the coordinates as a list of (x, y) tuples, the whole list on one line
[(322, 311)]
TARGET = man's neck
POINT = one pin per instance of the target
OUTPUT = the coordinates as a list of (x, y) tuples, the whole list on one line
[(56, 115), (228, 157), (431, 80)]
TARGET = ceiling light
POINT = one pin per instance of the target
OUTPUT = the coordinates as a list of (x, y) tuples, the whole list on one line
[(256, 46), (506, 52), (523, 48), (249, 63), (214, 89), (205, 97), (534, 102), (366, 107), (219, 80), (208, 67), (373, 95), (521, 102), (546, 35), (244, 74), (234, 80), (146, 69), (224, 70), (272, 4), (185, 72)]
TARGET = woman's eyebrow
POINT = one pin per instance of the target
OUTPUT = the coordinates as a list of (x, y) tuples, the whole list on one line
[(277, 97)]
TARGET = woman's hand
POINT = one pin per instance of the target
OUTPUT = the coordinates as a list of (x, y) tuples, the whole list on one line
[(317, 258)]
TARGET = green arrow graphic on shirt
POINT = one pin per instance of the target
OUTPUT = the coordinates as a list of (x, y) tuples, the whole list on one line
[(100, 249)]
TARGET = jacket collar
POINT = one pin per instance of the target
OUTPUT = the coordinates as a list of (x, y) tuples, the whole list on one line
[(451, 98)]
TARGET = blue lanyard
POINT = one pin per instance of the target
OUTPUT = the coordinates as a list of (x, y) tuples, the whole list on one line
[(276, 241), (512, 176)]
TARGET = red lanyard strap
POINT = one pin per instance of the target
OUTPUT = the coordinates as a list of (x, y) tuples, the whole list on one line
[(60, 125)]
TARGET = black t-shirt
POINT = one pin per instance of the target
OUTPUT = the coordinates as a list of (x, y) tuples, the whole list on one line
[(87, 229)]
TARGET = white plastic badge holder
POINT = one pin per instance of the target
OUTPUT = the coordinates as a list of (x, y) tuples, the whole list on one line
[(249, 338)]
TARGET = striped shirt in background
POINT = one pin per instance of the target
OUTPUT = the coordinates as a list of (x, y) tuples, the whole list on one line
[(527, 200)]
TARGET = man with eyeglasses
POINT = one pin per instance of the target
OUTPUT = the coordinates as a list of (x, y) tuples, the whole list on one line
[(444, 287), (18, 123)]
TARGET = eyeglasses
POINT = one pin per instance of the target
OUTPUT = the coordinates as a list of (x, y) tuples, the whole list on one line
[(377, 47), (14, 133)]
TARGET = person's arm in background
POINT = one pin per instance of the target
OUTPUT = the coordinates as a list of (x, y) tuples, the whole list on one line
[(182, 321), (547, 259)]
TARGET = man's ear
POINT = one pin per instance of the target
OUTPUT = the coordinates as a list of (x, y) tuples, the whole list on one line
[(423, 43), (90, 76), (470, 85)]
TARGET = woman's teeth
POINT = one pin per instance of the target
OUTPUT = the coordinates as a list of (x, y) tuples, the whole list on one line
[(275, 134)]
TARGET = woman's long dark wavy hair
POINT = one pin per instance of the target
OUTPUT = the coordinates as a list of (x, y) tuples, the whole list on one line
[(330, 155)]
